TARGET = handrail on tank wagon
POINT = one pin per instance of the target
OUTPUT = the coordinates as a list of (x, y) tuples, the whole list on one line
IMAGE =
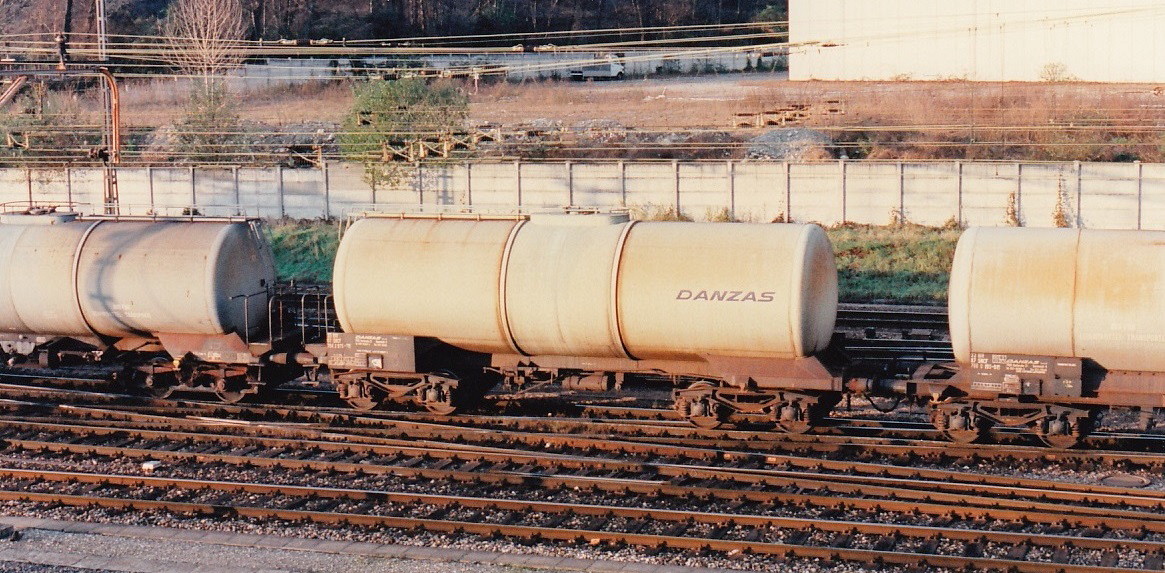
[(520, 214), (175, 218), (303, 301), (27, 207), (324, 324)]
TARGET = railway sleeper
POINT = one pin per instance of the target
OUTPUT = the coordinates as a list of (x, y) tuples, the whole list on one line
[(968, 421)]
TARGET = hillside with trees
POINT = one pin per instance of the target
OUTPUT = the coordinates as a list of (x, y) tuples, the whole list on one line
[(363, 19)]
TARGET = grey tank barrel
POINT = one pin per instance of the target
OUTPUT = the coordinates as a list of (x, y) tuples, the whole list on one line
[(126, 278)]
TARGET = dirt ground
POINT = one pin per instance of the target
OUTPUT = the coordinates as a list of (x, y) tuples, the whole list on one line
[(875, 120)]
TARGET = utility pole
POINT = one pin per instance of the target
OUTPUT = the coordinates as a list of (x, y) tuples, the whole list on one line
[(102, 36)]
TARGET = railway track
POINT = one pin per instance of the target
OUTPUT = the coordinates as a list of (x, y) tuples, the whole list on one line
[(592, 426), (571, 480), (871, 491), (891, 317), (595, 523)]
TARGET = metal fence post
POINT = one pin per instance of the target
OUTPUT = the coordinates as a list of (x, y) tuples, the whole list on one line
[(676, 170), (959, 192), (1079, 191), (622, 183), (238, 194), (569, 183), (1140, 192), (28, 184), (730, 175), (518, 180), (469, 184), (150, 184), (421, 184), (901, 192), (193, 190), (69, 186), (282, 200), (1019, 192), (844, 184), (788, 192), (327, 190)]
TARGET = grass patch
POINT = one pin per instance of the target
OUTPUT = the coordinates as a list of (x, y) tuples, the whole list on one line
[(909, 263), (304, 251), (906, 263)]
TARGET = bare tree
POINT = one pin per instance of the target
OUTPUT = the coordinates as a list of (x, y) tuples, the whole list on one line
[(204, 36)]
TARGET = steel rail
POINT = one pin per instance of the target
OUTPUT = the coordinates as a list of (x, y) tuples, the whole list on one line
[(903, 494), (688, 439), (331, 434), (673, 516)]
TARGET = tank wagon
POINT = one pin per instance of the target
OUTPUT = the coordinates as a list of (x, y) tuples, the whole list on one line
[(737, 315), (177, 302), (1049, 326)]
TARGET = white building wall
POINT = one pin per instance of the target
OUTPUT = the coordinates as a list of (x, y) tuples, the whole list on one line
[(985, 40)]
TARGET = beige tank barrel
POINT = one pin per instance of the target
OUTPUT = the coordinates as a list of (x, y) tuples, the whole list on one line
[(424, 277), (595, 287), (1082, 293), (559, 287), (736, 289)]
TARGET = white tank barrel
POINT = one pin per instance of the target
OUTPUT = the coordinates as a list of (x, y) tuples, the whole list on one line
[(591, 286), (1083, 293), (119, 278)]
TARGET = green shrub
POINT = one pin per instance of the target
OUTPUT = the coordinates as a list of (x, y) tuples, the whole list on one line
[(394, 114), (906, 263), (304, 251)]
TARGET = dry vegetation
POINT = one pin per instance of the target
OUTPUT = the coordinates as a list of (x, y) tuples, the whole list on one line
[(693, 117), (878, 120)]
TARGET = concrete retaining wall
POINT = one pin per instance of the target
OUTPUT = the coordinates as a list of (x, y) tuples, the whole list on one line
[(1095, 195)]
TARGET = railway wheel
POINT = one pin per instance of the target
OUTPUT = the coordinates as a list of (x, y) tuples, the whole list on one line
[(438, 396), (962, 425), (795, 418), (699, 406), (1063, 431), (361, 404), (160, 391), (158, 384), (229, 396), (230, 390), (360, 395)]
